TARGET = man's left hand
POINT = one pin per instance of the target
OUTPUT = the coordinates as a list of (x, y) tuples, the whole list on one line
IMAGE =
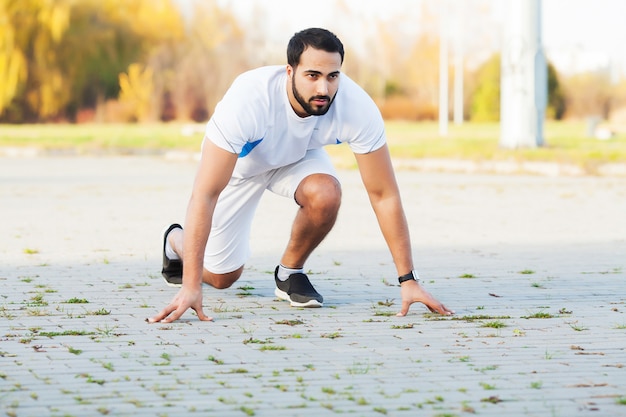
[(412, 292)]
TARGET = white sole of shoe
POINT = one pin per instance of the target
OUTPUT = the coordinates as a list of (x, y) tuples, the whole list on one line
[(284, 296), (169, 284)]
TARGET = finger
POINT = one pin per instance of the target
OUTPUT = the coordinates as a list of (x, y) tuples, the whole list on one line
[(162, 314), (405, 309), (441, 309), (435, 306), (201, 315), (174, 315), (448, 312)]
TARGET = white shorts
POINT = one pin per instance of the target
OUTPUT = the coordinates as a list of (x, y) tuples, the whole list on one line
[(228, 247)]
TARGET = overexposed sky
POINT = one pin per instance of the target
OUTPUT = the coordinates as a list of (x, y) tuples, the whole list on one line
[(578, 35), (593, 28)]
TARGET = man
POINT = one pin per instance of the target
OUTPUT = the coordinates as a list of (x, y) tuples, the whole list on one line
[(267, 133)]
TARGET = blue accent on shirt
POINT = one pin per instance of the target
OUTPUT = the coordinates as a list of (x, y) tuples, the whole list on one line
[(338, 142), (247, 148)]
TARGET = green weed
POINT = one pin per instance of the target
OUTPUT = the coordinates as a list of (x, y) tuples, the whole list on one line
[(384, 313), (402, 326), (101, 312), (479, 317), (539, 315), (215, 360), (253, 340), (359, 368), (75, 300), (494, 399), (577, 328), (37, 300), (247, 410), (272, 347), (66, 333), (496, 324), (289, 322), (74, 351)]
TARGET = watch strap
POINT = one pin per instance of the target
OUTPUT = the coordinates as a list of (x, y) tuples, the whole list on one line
[(408, 277)]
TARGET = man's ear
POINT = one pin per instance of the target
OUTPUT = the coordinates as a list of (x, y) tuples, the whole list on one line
[(290, 71)]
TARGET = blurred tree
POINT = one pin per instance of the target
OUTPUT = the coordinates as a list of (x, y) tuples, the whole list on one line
[(99, 45), (136, 91), (588, 94), (408, 67), (422, 76), (12, 61), (485, 102), (485, 92), (385, 61), (106, 36), (33, 85), (58, 56), (195, 72), (556, 98)]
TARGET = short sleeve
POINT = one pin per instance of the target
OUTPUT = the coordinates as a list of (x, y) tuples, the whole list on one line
[(236, 120), (363, 127)]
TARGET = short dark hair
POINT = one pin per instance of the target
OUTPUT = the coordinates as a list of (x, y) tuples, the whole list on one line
[(316, 38)]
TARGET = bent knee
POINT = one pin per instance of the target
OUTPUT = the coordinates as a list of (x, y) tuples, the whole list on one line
[(319, 192), (222, 284), (222, 281)]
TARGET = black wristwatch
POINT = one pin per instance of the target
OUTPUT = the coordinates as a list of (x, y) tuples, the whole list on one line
[(410, 276)]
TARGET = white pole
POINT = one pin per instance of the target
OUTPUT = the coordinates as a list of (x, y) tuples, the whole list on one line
[(458, 63), (443, 69), (523, 77)]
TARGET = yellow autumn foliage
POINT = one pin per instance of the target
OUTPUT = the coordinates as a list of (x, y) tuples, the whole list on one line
[(136, 91), (35, 26)]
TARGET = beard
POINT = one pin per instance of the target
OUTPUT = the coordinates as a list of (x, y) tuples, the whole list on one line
[(308, 106)]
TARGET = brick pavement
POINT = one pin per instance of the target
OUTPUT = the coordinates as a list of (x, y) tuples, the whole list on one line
[(534, 266)]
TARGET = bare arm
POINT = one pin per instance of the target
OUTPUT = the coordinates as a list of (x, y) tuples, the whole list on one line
[(380, 182), (214, 172)]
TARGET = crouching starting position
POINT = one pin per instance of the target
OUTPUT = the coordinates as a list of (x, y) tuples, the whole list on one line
[(267, 133)]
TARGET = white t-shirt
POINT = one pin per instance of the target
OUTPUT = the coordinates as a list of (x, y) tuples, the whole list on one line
[(255, 120)]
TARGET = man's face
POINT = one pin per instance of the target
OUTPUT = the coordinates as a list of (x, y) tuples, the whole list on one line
[(314, 82)]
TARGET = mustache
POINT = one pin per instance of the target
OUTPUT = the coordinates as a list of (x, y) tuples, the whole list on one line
[(320, 98)]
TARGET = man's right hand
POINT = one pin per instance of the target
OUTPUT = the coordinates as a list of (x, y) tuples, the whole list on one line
[(184, 300)]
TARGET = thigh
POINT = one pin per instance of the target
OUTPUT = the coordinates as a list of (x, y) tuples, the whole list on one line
[(285, 181), (228, 247)]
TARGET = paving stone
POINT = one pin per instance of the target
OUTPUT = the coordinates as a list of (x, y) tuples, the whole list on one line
[(534, 266)]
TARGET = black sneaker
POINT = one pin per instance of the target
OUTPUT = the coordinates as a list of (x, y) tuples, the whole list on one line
[(297, 289), (172, 268)]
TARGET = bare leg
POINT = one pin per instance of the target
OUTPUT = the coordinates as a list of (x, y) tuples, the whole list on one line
[(219, 281), (319, 197)]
